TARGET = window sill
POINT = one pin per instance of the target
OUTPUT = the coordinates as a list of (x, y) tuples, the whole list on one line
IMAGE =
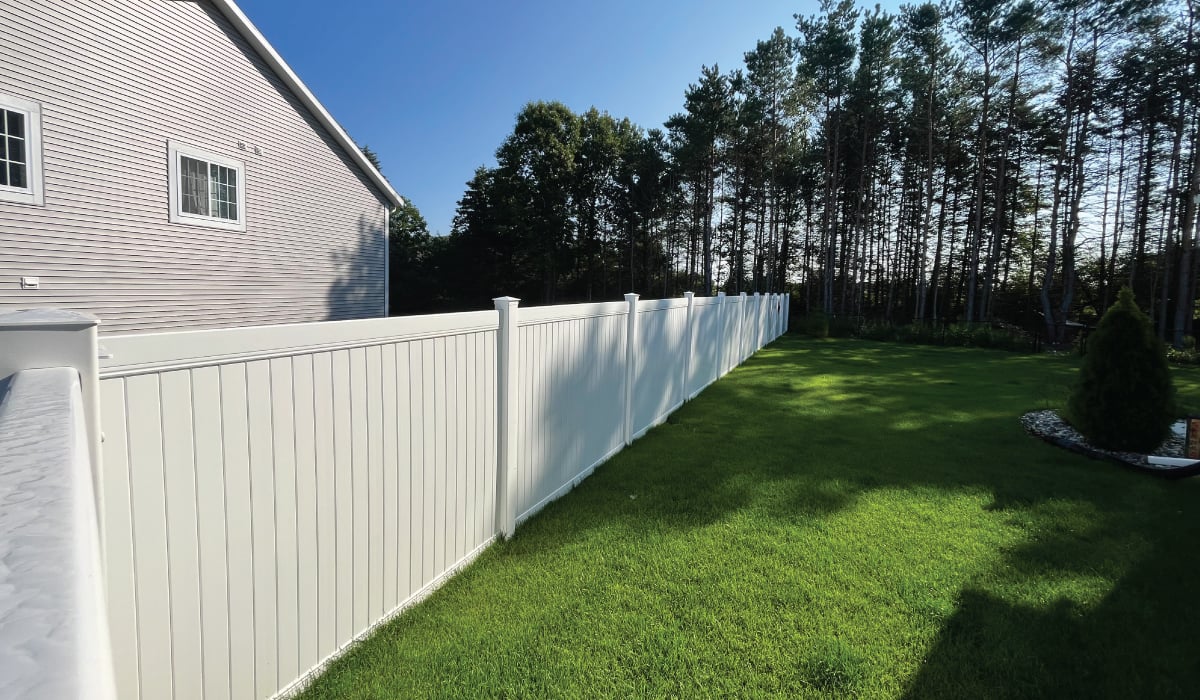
[(204, 222)]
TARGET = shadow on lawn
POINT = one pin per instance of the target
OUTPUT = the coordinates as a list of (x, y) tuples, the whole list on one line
[(883, 417), (1126, 646)]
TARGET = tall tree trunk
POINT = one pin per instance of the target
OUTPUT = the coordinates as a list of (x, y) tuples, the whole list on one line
[(976, 240), (1185, 302), (989, 277)]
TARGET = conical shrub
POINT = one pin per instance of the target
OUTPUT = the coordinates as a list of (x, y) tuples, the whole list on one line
[(1123, 399)]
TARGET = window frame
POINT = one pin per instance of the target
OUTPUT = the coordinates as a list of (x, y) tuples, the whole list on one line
[(176, 215), (34, 192)]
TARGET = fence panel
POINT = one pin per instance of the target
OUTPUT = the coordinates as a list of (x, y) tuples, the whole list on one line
[(661, 355), (259, 490), (269, 494), (570, 400), (706, 343), (731, 326)]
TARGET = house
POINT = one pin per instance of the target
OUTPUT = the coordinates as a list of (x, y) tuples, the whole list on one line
[(162, 168)]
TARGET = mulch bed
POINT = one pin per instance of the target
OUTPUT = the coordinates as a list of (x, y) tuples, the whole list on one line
[(1049, 426)]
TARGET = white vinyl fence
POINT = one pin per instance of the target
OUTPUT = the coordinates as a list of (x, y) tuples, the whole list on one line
[(268, 495)]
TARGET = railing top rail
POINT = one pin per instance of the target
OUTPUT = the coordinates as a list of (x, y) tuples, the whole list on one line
[(157, 352)]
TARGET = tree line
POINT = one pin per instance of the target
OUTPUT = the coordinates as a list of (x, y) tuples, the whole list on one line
[(981, 161)]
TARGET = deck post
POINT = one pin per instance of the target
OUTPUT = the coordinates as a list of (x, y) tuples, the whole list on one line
[(46, 338)]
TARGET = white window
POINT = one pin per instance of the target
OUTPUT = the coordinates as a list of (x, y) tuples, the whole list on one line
[(20, 151), (206, 189)]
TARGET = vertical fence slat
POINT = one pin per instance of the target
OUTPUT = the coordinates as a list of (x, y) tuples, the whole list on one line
[(306, 512), (360, 540), (453, 481), (262, 518), (374, 483), (466, 438), (428, 529), (211, 523), (240, 548), (283, 448), (495, 477), (403, 423), (438, 477), (149, 535), (390, 429), (183, 557), (343, 489), (120, 575), (324, 458)]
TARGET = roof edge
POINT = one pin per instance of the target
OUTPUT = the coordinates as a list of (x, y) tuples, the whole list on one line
[(250, 33)]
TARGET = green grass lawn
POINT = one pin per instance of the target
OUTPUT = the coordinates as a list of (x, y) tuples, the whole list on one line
[(835, 518)]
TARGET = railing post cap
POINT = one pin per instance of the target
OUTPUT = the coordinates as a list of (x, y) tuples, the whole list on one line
[(505, 301), (632, 296), (742, 294), (688, 295), (720, 294)]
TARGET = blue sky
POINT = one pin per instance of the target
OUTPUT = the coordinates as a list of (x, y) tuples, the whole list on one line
[(434, 87)]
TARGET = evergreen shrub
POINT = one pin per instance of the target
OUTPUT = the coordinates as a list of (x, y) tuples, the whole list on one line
[(1123, 398)]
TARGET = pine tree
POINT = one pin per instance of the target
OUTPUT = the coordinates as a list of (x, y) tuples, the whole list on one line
[(1123, 399)]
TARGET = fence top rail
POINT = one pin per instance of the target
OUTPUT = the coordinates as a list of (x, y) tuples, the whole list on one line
[(141, 353), (661, 304), (569, 312)]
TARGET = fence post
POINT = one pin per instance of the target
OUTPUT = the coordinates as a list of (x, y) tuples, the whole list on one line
[(723, 338), (631, 342), (778, 315), (769, 324), (744, 303), (787, 312), (506, 411), (777, 307), (756, 310), (689, 350)]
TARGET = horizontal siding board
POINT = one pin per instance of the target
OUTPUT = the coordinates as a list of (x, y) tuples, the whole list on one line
[(308, 207)]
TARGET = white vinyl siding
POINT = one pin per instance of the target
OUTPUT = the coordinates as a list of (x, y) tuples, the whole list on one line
[(20, 151), (315, 227)]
